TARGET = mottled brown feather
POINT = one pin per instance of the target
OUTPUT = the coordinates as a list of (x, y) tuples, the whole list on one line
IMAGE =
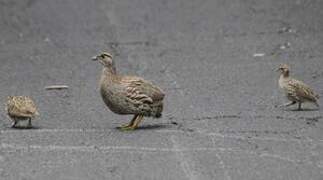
[(128, 94), (296, 90), (21, 106), (141, 90), (302, 90)]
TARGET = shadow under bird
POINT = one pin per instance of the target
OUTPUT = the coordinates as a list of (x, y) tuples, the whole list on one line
[(21, 108), (128, 95), (296, 91)]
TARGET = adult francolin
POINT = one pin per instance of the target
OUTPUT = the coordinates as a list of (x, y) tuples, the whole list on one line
[(127, 95), (295, 90)]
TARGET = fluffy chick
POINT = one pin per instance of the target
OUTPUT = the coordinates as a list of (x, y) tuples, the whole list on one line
[(21, 108)]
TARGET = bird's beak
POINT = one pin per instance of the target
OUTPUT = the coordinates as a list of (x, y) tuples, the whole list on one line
[(37, 113), (277, 70), (94, 58)]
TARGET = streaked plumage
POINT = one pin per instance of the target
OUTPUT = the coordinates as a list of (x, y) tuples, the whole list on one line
[(128, 94), (21, 108), (295, 90)]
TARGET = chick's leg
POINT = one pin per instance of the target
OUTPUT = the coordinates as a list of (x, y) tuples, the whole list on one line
[(14, 123), (29, 123), (299, 106), (130, 123)]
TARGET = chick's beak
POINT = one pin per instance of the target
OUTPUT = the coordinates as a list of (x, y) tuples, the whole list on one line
[(94, 58), (277, 70)]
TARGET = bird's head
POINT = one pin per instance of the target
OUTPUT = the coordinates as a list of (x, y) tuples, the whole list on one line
[(9, 98), (283, 69), (105, 59)]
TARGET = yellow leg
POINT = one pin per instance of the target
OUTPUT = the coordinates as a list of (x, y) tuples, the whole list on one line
[(135, 124), (130, 123), (137, 121)]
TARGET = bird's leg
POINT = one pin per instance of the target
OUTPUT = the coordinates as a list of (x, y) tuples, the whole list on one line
[(29, 123), (316, 104), (138, 120), (299, 106), (130, 124), (134, 124), (288, 104), (14, 123)]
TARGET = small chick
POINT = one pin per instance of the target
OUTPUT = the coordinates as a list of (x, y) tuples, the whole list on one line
[(21, 108), (128, 94), (295, 90)]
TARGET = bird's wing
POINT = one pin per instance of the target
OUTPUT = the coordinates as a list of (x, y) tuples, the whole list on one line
[(14, 110), (22, 106), (302, 89), (141, 91)]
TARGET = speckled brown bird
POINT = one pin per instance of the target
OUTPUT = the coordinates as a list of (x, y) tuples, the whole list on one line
[(128, 95), (21, 108), (295, 90)]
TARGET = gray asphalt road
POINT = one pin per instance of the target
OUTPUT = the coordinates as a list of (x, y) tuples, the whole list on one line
[(220, 120)]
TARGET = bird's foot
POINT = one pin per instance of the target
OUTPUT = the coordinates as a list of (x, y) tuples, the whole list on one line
[(289, 104), (286, 104), (127, 128), (124, 126)]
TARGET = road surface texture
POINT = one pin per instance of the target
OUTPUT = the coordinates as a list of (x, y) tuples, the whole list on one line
[(216, 61)]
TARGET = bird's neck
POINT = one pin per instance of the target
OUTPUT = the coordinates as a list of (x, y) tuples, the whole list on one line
[(109, 71), (108, 74), (283, 79), (284, 76)]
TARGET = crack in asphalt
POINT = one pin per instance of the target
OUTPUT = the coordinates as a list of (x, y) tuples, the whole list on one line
[(223, 165), (133, 149), (183, 160), (221, 135)]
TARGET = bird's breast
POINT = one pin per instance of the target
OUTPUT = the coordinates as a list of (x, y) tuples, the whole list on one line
[(282, 82), (113, 99)]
